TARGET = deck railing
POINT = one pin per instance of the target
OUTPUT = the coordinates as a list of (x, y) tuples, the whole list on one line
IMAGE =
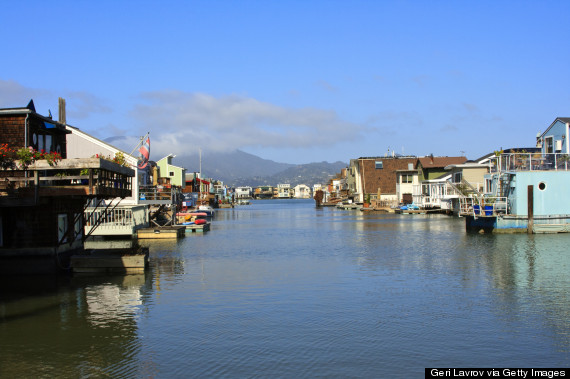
[(118, 221), (531, 162), (488, 206), (160, 195), (91, 177)]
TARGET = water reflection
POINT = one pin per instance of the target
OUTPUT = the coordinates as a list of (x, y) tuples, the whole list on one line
[(284, 289), (81, 326)]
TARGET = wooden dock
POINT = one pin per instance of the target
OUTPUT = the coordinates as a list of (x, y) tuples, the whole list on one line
[(377, 210), (174, 231)]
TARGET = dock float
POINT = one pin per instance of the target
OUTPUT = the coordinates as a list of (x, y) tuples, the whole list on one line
[(110, 261), (174, 231), (197, 228)]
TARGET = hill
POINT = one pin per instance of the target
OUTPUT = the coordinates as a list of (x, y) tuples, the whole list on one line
[(239, 168)]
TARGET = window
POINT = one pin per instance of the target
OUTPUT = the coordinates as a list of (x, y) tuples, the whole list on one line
[(542, 186), (549, 142), (488, 186), (407, 178), (171, 173), (62, 228), (378, 164), (457, 177)]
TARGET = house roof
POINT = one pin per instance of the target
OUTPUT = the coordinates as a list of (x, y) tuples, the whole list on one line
[(440, 178), (30, 109), (483, 159), (97, 141), (440, 162), (563, 119)]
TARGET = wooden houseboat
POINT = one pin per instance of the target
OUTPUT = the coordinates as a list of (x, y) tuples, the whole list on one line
[(42, 200)]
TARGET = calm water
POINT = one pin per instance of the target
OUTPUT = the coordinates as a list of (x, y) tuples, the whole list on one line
[(281, 289)]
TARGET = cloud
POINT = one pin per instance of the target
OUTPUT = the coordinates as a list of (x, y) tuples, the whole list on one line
[(471, 107), (323, 84), (421, 80), (448, 128), (15, 95), (181, 121), (81, 105)]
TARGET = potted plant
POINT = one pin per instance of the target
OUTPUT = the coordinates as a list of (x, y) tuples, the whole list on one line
[(367, 201)]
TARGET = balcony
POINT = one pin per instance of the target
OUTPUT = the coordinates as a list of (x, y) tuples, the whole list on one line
[(160, 195), (84, 177), (531, 162)]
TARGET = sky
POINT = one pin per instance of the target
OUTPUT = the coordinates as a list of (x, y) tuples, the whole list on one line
[(294, 81)]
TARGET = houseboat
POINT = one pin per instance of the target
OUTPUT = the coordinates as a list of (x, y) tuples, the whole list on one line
[(528, 195)]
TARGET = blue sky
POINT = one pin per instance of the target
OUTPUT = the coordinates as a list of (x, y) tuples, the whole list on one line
[(294, 81)]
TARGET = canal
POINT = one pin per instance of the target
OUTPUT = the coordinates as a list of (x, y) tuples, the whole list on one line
[(281, 289)]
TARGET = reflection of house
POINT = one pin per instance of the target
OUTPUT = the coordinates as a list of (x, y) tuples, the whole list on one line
[(41, 206), (302, 191)]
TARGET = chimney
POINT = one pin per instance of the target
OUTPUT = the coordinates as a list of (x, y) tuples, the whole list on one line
[(62, 117), (431, 158)]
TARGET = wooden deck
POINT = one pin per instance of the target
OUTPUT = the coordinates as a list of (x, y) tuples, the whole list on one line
[(164, 232)]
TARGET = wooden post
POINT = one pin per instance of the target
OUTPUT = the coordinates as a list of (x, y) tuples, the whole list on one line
[(91, 181), (530, 205), (36, 186)]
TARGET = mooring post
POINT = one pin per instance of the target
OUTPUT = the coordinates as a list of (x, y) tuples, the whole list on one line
[(36, 187), (530, 204)]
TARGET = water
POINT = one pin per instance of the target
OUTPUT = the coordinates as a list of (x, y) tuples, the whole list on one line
[(281, 289)]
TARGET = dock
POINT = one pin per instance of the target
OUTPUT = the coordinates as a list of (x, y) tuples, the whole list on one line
[(349, 206), (110, 261), (378, 210), (197, 228), (174, 231)]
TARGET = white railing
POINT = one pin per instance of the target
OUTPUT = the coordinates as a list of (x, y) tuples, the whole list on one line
[(489, 206), (119, 221)]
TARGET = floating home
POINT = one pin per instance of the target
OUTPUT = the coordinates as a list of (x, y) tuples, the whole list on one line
[(528, 190), (42, 203)]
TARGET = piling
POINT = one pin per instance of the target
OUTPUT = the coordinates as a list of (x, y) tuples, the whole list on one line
[(530, 205)]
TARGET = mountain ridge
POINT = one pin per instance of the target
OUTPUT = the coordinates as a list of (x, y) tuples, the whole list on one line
[(239, 168)]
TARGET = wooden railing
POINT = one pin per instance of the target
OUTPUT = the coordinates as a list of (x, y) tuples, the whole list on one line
[(89, 177)]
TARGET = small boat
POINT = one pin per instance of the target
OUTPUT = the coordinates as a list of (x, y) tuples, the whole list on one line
[(207, 209)]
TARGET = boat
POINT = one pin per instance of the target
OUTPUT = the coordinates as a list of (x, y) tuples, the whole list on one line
[(207, 209)]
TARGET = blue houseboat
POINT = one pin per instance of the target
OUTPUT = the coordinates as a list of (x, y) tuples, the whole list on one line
[(526, 191)]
